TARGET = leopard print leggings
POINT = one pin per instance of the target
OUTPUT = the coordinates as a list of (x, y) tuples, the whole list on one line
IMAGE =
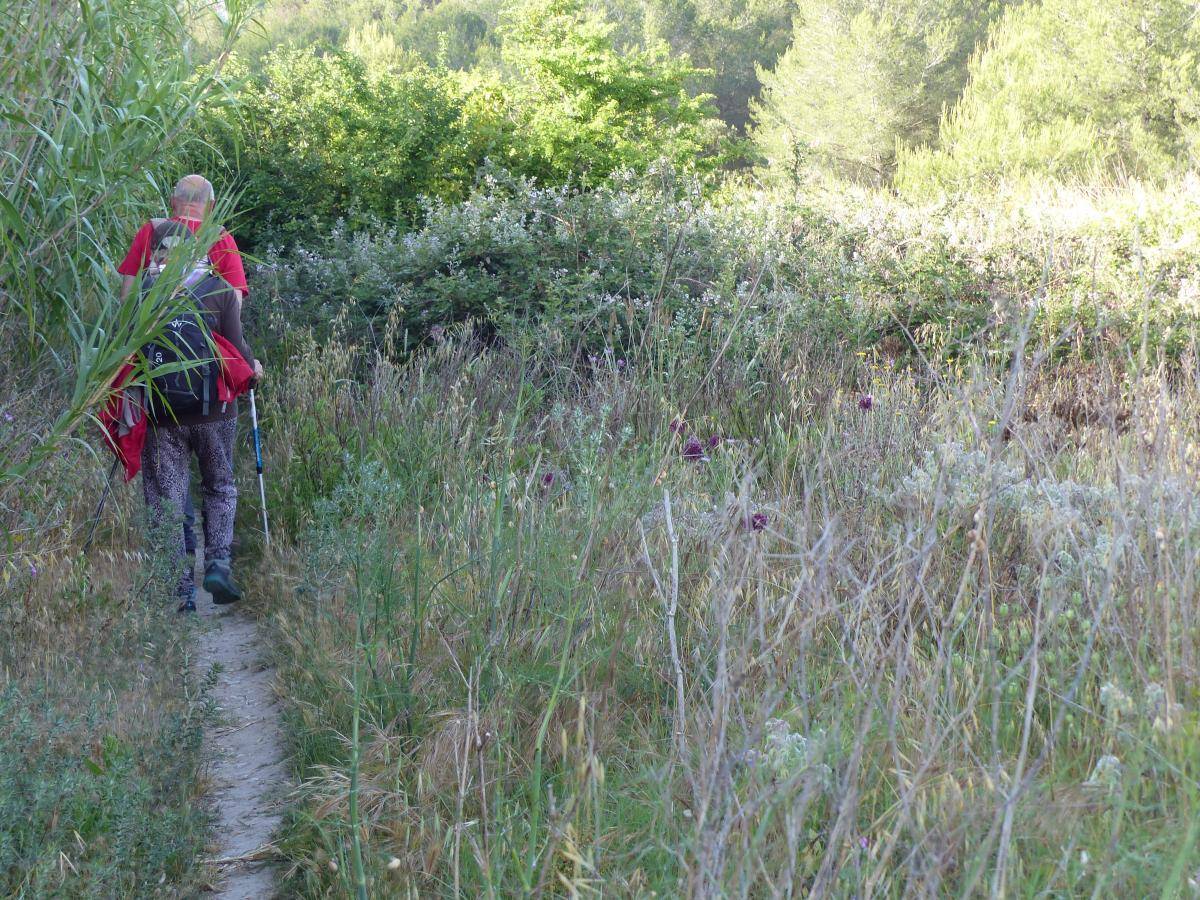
[(165, 475)]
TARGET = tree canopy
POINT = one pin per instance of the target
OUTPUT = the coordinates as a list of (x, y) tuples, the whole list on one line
[(863, 77), (1070, 89)]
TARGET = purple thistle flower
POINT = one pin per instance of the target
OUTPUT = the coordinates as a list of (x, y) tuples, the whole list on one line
[(548, 479), (693, 450), (865, 401), (759, 521), (676, 426), (714, 442)]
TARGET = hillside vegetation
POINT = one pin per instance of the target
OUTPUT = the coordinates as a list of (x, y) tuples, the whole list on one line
[(712, 449)]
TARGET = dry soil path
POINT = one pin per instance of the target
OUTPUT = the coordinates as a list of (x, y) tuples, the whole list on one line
[(244, 750)]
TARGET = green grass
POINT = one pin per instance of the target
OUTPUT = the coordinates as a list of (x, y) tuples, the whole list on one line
[(101, 724)]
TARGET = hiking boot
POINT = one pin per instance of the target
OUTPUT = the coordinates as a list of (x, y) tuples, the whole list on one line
[(218, 581)]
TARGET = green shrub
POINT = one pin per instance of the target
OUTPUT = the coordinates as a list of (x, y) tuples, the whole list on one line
[(588, 108), (516, 252), (320, 136), (354, 140)]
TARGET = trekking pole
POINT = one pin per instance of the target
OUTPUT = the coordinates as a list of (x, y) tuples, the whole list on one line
[(87, 545), (262, 490)]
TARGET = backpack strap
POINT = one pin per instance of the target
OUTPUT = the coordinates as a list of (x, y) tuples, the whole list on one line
[(207, 391), (161, 229)]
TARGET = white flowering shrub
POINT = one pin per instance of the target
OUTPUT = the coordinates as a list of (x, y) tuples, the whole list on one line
[(1080, 527)]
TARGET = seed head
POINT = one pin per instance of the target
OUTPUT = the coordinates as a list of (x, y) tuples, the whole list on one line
[(693, 450)]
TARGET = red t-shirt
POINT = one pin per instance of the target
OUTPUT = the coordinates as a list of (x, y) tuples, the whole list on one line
[(224, 255)]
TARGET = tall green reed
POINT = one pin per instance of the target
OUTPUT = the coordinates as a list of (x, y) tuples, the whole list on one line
[(95, 106)]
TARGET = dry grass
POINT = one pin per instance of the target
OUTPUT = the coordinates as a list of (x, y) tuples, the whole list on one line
[(614, 682)]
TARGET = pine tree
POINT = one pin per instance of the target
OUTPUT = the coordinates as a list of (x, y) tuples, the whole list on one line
[(861, 78), (1072, 90)]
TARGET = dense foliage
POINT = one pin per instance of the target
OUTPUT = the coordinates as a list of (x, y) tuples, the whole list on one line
[(662, 500), (603, 265), (320, 136), (1076, 91), (728, 39), (588, 108), (863, 78)]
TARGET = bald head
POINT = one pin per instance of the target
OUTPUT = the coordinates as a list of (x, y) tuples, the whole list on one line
[(193, 197)]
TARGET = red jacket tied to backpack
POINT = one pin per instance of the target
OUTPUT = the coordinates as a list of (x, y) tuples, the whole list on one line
[(124, 416)]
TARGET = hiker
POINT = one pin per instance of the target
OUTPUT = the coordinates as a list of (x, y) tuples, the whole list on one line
[(191, 203), (194, 410)]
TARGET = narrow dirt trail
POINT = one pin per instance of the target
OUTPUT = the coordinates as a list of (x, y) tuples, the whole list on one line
[(246, 769)]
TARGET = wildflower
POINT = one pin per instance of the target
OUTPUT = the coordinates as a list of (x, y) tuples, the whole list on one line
[(1163, 711), (1106, 773), (863, 842), (788, 752), (620, 365), (758, 521), (548, 480), (1115, 700), (693, 450), (437, 332), (714, 442), (8, 417), (676, 426), (865, 401), (748, 758), (33, 570)]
